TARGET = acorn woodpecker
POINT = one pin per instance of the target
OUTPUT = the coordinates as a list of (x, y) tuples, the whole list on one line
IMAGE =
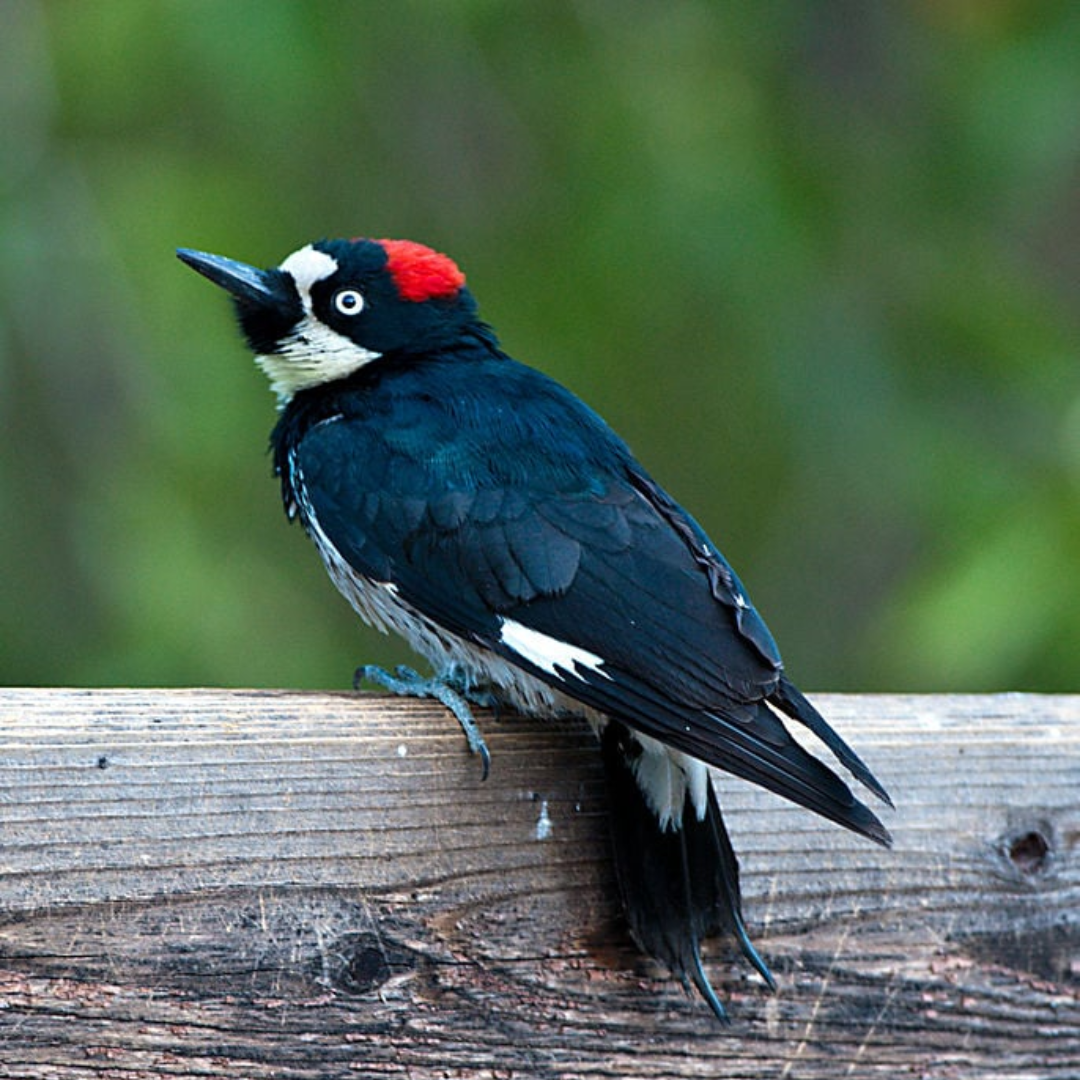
[(481, 511)]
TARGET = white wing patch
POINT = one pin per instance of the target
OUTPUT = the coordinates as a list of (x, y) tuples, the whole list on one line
[(546, 652)]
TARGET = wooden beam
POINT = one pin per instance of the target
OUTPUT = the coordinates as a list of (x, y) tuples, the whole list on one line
[(258, 884)]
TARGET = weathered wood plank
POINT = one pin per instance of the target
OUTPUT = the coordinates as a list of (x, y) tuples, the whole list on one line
[(202, 883)]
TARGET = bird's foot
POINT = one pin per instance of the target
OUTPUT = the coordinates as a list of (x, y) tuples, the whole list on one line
[(453, 689)]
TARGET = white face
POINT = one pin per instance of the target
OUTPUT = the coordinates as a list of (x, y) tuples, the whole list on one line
[(314, 353)]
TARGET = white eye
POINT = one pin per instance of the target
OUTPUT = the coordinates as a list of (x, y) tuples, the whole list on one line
[(348, 302)]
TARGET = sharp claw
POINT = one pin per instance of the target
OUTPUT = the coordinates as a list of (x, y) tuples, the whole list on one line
[(449, 690)]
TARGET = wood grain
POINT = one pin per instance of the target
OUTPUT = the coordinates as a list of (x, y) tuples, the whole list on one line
[(256, 884)]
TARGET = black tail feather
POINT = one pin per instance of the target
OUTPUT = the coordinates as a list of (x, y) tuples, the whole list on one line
[(678, 885), (748, 740), (718, 843), (790, 699)]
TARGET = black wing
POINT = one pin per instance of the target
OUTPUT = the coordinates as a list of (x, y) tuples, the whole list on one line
[(565, 558)]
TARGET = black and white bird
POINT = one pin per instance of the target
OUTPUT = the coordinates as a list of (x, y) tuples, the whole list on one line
[(480, 510)]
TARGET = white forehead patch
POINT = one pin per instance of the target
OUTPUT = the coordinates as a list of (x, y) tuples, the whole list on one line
[(306, 267)]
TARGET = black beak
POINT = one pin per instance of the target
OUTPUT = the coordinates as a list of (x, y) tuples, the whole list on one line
[(246, 283)]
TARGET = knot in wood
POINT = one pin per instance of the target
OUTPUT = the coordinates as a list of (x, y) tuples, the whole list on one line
[(361, 962), (1029, 852)]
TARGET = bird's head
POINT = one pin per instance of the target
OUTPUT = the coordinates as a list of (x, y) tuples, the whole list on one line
[(336, 305)]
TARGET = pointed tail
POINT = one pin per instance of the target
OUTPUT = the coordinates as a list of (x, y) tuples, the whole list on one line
[(678, 884)]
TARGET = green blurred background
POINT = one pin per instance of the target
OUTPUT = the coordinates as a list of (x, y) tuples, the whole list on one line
[(818, 262)]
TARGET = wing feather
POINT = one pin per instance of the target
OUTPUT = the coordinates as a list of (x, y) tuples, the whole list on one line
[(593, 555)]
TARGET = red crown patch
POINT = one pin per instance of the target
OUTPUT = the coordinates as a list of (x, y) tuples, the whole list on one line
[(420, 273)]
